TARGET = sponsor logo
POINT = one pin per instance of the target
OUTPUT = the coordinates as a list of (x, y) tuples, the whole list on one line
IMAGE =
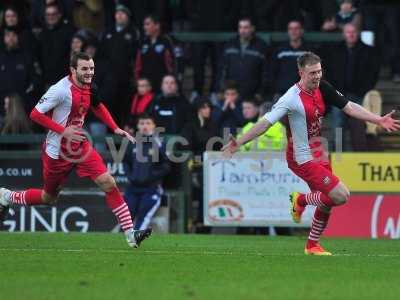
[(225, 210), (326, 180)]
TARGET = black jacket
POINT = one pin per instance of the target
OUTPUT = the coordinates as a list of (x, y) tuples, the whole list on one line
[(17, 72), (248, 69), (119, 49), (284, 72), (154, 61), (54, 51), (198, 135), (362, 74), (170, 112), (146, 163)]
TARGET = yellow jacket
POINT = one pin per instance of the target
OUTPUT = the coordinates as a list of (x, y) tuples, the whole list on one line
[(273, 139)]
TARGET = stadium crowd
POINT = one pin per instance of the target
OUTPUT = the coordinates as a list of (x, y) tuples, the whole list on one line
[(140, 65)]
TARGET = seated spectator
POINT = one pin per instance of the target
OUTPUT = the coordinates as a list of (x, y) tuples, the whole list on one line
[(353, 70), (141, 100), (119, 46), (201, 128), (78, 42), (145, 164), (155, 57), (54, 45), (169, 109), (16, 120), (284, 72), (347, 14), (228, 112), (273, 139), (17, 71), (12, 21), (244, 61)]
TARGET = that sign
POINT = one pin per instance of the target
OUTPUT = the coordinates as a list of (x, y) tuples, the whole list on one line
[(368, 172)]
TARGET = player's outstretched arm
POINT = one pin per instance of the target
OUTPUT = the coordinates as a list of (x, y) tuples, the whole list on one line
[(387, 122), (101, 112), (233, 145)]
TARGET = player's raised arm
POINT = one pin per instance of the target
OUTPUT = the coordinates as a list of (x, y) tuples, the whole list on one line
[(387, 122)]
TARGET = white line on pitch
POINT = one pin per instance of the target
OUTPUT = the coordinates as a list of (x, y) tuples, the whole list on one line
[(161, 252)]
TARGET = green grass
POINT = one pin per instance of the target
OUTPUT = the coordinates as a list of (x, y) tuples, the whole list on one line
[(100, 266)]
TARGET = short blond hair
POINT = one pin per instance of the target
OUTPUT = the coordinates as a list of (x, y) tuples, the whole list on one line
[(308, 59)]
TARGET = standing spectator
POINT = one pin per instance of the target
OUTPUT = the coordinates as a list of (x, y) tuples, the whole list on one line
[(17, 71), (155, 57), (284, 60), (354, 70), (169, 109), (15, 119), (119, 47), (228, 112), (54, 45), (141, 100), (347, 14), (244, 61), (383, 18), (203, 19), (145, 164)]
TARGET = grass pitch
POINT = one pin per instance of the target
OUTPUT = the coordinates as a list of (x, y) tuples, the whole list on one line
[(101, 266)]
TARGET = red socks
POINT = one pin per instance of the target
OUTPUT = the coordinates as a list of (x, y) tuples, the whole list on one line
[(119, 208), (28, 197), (315, 198), (318, 225)]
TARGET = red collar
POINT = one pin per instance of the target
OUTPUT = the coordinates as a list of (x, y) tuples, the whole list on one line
[(312, 94)]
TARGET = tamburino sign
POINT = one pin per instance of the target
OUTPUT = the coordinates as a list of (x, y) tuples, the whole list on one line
[(251, 189)]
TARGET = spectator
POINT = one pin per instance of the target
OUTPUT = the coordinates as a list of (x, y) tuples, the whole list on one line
[(382, 18), (169, 109), (228, 112), (119, 47), (11, 20), (284, 71), (204, 19), (347, 14), (78, 42), (141, 100), (250, 110), (155, 58), (244, 61), (54, 45), (15, 119), (17, 71), (353, 70), (201, 128), (272, 139), (145, 164)]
